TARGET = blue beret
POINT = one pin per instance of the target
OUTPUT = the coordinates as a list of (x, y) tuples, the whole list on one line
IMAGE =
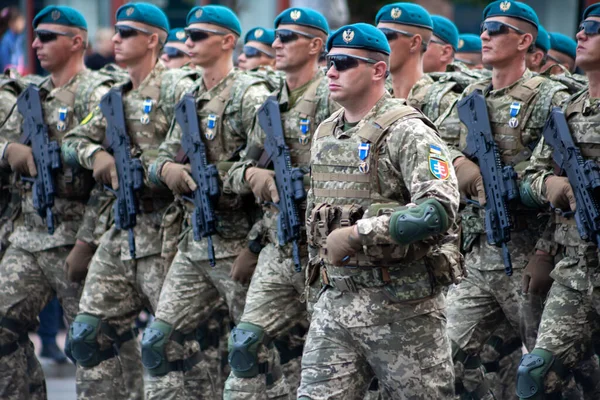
[(513, 9), (359, 36), (405, 14), (215, 15), (177, 35), (543, 39), (260, 34), (563, 44), (303, 16), (592, 11), (145, 13), (445, 30), (469, 43), (61, 15)]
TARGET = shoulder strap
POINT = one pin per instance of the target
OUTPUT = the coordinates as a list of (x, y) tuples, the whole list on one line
[(575, 103), (217, 104), (84, 92), (373, 131), (528, 89), (326, 128), (434, 95), (308, 104)]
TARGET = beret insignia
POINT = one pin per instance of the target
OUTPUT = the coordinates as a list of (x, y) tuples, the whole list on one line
[(295, 15)]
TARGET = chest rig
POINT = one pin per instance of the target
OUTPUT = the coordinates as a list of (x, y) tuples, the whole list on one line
[(344, 178)]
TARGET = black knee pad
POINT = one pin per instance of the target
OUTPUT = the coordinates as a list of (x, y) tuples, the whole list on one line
[(83, 334)]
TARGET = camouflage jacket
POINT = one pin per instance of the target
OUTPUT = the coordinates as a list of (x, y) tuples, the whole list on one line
[(164, 88), (579, 268), (298, 129), (226, 115), (76, 97), (534, 96), (356, 171)]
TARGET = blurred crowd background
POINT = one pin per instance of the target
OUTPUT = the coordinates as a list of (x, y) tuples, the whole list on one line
[(16, 15)]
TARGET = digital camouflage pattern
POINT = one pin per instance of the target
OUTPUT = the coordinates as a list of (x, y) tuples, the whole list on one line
[(118, 288), (392, 328), (192, 287), (33, 267), (573, 302), (486, 289), (275, 299)]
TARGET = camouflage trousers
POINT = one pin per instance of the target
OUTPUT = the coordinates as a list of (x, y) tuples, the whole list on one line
[(481, 303), (355, 336), (29, 281), (192, 292), (568, 324), (116, 291), (275, 302)]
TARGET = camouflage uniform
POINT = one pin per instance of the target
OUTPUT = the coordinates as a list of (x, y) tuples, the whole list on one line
[(33, 266), (378, 319), (487, 295), (192, 287), (573, 304), (117, 288), (275, 300)]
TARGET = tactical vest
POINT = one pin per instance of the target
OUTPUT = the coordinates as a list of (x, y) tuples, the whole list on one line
[(573, 82), (344, 187), (299, 124)]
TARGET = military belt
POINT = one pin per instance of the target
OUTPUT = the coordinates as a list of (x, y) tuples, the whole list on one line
[(10, 348), (348, 279)]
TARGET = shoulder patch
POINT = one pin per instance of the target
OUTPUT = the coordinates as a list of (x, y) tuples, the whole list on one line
[(438, 164)]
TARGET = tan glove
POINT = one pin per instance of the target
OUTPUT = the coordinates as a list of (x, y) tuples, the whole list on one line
[(20, 159), (536, 277), (244, 266), (105, 169), (342, 243), (469, 178), (78, 260), (177, 177), (262, 183), (560, 193)]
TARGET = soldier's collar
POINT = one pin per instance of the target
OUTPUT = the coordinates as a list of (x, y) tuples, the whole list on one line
[(284, 94), (526, 76), (148, 81), (206, 94)]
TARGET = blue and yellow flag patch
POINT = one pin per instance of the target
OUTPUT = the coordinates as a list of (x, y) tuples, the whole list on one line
[(438, 165)]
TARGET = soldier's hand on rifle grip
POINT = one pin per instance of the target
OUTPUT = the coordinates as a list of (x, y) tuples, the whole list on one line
[(262, 183), (469, 178), (560, 193), (342, 243), (105, 169), (20, 158), (177, 177)]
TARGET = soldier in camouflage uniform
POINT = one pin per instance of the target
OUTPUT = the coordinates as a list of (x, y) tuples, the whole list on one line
[(487, 295), (469, 51), (275, 300), (381, 310), (537, 56), (174, 54), (443, 44), (573, 304), (33, 266), (562, 52), (408, 28), (119, 286), (257, 51), (227, 101)]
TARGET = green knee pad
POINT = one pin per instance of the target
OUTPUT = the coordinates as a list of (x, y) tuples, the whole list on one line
[(412, 224), (154, 341), (243, 349), (83, 334), (531, 372)]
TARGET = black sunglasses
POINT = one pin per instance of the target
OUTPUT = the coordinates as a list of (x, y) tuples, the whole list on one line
[(590, 27), (393, 34), (290, 35), (198, 35), (127, 31), (45, 35), (252, 52), (495, 28), (342, 62), (173, 52)]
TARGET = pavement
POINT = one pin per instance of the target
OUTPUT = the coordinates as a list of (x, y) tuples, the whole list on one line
[(60, 378)]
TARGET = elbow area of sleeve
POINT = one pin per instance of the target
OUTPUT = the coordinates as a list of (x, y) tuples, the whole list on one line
[(413, 224)]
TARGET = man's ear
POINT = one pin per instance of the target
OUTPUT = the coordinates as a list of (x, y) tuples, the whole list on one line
[(416, 43), (315, 46), (525, 41), (229, 41), (380, 71)]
